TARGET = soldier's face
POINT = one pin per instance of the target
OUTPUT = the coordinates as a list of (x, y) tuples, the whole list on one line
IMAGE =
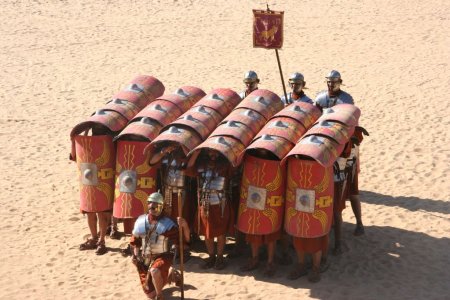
[(334, 84), (154, 208), (251, 86), (213, 155), (297, 87)]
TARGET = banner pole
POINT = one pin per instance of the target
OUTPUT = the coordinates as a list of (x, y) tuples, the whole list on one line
[(279, 65), (281, 75)]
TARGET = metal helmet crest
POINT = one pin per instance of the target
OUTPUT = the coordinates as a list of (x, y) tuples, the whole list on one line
[(296, 78), (334, 74), (251, 76)]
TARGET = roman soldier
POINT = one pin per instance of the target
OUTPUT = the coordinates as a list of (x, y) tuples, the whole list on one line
[(251, 82), (154, 237), (297, 84)]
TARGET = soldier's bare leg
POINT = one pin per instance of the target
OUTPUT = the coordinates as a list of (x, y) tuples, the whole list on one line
[(220, 262), (211, 260), (114, 232), (92, 223), (356, 207), (103, 222), (270, 268), (253, 262), (337, 232), (221, 240), (299, 268), (104, 219), (284, 258), (239, 245), (314, 275), (157, 280)]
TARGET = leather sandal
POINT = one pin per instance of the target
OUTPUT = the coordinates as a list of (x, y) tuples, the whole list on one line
[(209, 262), (220, 263), (297, 272), (101, 249), (114, 234), (90, 244), (251, 265), (270, 270), (314, 275)]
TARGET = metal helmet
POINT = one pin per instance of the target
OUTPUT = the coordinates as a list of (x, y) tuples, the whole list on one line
[(296, 78), (156, 198), (333, 74), (251, 76)]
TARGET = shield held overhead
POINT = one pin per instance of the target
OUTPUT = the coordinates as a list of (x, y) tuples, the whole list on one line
[(267, 29)]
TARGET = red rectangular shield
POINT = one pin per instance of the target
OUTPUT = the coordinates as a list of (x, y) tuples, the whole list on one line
[(267, 29)]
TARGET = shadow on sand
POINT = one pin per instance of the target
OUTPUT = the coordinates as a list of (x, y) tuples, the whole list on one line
[(409, 203), (385, 263)]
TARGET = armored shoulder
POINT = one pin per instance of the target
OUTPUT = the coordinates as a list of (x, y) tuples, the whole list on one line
[(141, 226), (346, 98), (165, 224), (242, 95), (306, 99), (322, 99)]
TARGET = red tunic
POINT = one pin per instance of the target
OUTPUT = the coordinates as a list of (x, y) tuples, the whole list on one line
[(311, 245), (215, 223), (259, 239)]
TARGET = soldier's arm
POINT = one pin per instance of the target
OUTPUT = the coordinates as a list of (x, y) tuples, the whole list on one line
[(186, 230)]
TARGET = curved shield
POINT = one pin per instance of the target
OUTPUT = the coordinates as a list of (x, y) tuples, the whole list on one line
[(135, 180), (279, 146), (283, 127), (201, 123), (309, 198), (95, 157), (207, 111), (263, 101), (162, 111), (221, 100), (184, 97), (150, 86), (229, 147), (186, 138), (261, 203), (125, 108), (107, 118), (145, 128), (347, 114), (234, 129), (302, 112), (334, 130), (249, 117), (322, 149), (138, 99)]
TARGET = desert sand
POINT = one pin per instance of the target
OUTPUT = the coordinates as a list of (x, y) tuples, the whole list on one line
[(61, 60)]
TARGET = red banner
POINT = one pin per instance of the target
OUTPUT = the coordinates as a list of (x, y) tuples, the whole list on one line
[(267, 29)]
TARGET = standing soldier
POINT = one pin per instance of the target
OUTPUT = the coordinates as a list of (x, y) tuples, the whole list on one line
[(325, 99), (176, 184), (333, 95), (251, 81), (153, 236), (215, 217), (297, 84)]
